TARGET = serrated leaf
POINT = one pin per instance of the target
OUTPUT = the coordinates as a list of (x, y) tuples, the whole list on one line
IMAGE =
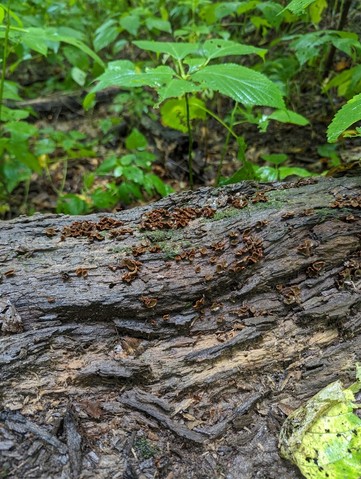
[(218, 48), (349, 114), (242, 84), (298, 6), (175, 50), (123, 73)]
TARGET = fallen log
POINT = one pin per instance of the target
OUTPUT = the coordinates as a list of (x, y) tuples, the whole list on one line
[(172, 340)]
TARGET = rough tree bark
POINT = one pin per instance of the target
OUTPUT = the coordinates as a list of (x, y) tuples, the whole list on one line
[(172, 340)]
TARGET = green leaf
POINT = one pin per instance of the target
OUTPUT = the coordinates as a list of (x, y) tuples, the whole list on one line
[(153, 180), (135, 140), (218, 48), (176, 88), (174, 112), (72, 204), (107, 165), (78, 75), (323, 437), (105, 34), (104, 199), (130, 23), (275, 158), (20, 130), (242, 84), (175, 50), (123, 73), (55, 36), (15, 172), (349, 114), (133, 173), (298, 6), (288, 116), (154, 23), (89, 101), (246, 172), (285, 171), (11, 91), (8, 114)]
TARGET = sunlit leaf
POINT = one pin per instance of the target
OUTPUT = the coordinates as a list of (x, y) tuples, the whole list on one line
[(323, 437), (174, 112)]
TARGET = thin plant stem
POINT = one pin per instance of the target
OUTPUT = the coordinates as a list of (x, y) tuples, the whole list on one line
[(225, 146), (2, 83), (190, 143)]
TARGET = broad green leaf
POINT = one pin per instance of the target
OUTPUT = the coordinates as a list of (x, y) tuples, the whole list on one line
[(246, 172), (176, 88), (154, 23), (135, 140), (11, 91), (72, 204), (220, 48), (240, 83), (323, 437), (130, 23), (245, 7), (175, 50), (289, 116), (21, 152), (36, 39), (8, 114), (298, 6), (316, 10), (285, 171), (53, 35), (349, 114), (20, 130), (105, 34), (104, 198), (214, 12), (174, 112), (152, 180), (15, 172), (133, 173), (123, 73)]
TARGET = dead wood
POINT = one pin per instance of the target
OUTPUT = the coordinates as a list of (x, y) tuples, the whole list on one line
[(171, 340)]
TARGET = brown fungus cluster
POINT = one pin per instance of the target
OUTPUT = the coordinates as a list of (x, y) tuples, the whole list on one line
[(346, 201), (90, 229), (160, 218)]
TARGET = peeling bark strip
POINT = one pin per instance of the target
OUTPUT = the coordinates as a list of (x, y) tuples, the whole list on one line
[(200, 320)]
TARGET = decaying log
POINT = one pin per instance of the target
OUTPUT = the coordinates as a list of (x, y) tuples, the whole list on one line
[(172, 340)]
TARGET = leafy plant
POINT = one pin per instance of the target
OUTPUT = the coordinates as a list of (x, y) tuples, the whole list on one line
[(17, 161), (124, 179), (190, 77)]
